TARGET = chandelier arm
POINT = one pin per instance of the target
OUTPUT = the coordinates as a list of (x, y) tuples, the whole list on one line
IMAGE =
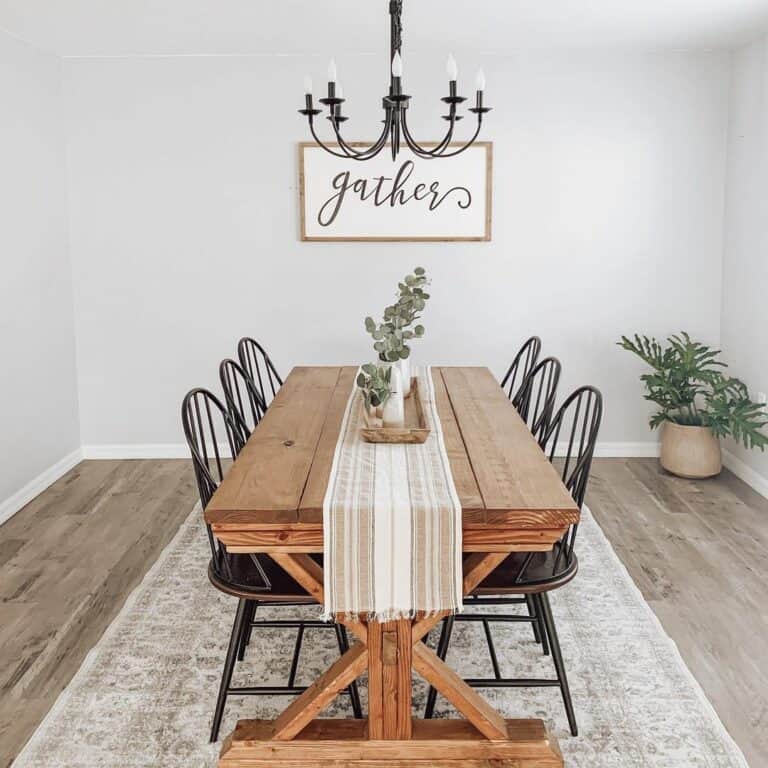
[(369, 152), (431, 156), (346, 148), (350, 152), (417, 149), (330, 151), (468, 144), (382, 142)]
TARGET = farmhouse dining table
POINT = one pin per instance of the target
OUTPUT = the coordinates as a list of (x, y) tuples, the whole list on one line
[(271, 501)]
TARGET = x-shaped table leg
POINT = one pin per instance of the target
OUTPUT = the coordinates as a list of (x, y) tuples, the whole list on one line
[(388, 651)]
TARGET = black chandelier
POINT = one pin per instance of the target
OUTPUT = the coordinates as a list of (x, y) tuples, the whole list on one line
[(395, 105)]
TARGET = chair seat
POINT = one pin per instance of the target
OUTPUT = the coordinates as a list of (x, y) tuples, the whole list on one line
[(537, 577), (244, 580)]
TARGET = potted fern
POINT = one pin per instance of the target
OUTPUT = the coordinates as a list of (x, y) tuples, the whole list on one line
[(698, 404)]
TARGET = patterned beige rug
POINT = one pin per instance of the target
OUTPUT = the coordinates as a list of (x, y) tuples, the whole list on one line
[(145, 694)]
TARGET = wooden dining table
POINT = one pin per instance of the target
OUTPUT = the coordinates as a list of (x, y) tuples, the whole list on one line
[(271, 502)]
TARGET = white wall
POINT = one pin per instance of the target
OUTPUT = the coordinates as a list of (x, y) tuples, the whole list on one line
[(745, 253), (37, 382), (608, 202)]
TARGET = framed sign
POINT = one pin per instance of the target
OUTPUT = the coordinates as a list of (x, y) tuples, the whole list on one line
[(446, 199)]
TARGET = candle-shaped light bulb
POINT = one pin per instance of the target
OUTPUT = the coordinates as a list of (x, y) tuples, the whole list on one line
[(480, 80), (332, 71), (451, 68), (307, 84), (397, 65)]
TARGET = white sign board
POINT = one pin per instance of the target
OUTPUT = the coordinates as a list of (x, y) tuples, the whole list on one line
[(411, 198)]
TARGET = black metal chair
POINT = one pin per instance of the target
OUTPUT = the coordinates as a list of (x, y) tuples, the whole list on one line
[(573, 432), (245, 404), (254, 580), (536, 400), (521, 365), (258, 365)]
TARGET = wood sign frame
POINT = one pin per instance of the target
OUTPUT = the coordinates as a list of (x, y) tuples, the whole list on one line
[(482, 223)]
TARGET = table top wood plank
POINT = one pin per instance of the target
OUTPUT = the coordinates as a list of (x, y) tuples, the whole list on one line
[(472, 505), (311, 505), (267, 479), (513, 474)]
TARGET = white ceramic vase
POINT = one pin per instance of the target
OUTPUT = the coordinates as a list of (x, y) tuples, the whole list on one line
[(393, 413), (405, 373)]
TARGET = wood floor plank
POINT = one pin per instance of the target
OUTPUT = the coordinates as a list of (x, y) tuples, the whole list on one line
[(696, 550), (76, 581)]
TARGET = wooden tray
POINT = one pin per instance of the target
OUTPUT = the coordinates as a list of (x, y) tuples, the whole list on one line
[(415, 429)]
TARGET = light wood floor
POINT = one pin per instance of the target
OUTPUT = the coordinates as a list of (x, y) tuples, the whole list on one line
[(698, 552), (68, 560)]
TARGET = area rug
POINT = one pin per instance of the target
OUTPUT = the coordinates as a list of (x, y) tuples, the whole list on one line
[(145, 694)]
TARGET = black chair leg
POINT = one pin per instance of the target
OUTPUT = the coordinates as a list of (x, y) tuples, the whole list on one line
[(250, 611), (442, 651), (537, 604), (249, 628), (557, 658), (235, 641), (296, 654), (492, 649), (532, 612), (354, 694)]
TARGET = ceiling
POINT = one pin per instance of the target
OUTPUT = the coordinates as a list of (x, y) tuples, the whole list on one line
[(301, 27)]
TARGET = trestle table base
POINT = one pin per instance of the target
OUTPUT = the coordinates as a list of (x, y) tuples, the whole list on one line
[(390, 652)]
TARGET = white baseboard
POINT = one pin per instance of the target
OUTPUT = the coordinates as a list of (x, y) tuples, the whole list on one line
[(745, 473), (136, 451), (627, 450), (37, 485)]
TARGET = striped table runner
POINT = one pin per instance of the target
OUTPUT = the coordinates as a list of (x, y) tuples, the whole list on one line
[(392, 523)]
